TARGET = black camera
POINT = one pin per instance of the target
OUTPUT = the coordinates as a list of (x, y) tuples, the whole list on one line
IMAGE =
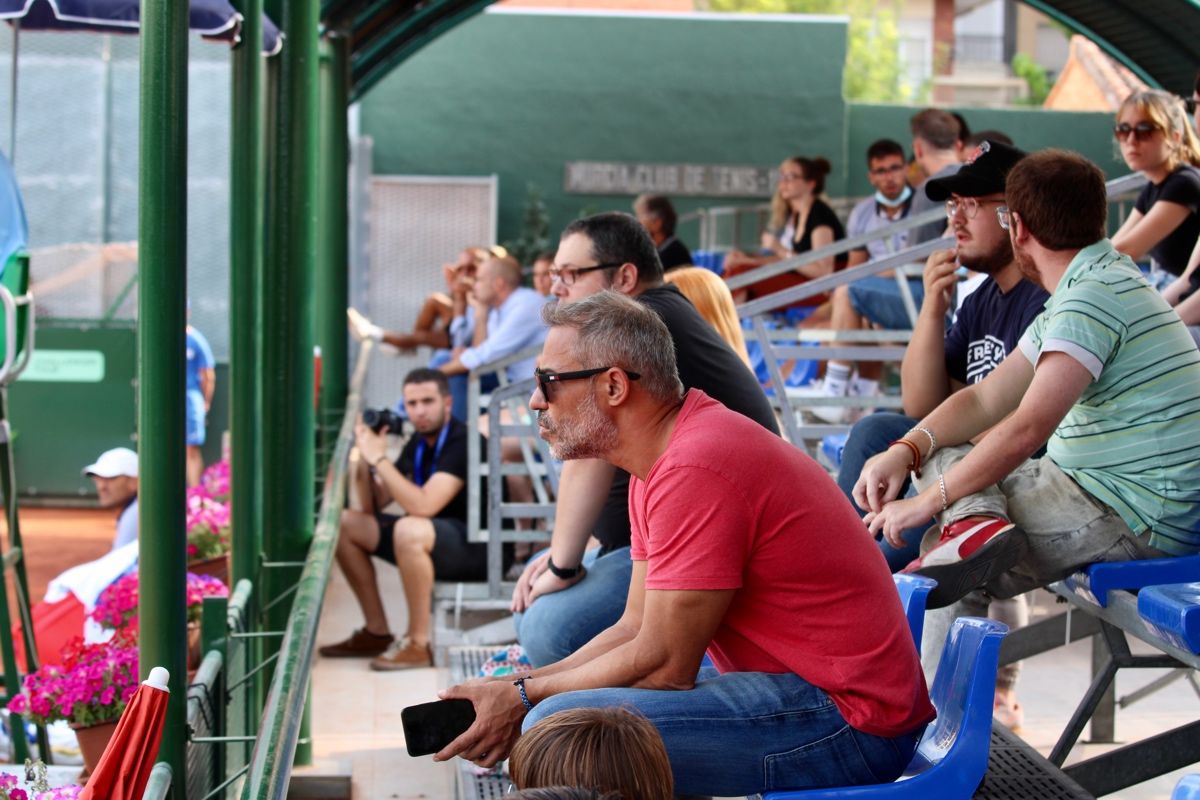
[(383, 420)]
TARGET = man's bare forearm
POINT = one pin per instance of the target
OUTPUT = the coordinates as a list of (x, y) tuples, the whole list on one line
[(582, 492), (924, 382), (604, 642)]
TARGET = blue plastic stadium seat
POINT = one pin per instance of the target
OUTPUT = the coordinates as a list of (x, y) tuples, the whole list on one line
[(952, 756), (1173, 611), (1095, 581), (1188, 788), (914, 589)]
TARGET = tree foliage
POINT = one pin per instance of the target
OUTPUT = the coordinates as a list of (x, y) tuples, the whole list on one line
[(873, 71)]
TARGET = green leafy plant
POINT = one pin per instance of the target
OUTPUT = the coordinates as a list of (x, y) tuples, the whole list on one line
[(534, 238), (1035, 77)]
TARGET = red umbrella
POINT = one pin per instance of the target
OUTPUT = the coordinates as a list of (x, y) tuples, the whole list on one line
[(124, 769)]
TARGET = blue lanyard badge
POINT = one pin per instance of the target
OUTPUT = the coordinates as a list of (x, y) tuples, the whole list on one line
[(420, 475)]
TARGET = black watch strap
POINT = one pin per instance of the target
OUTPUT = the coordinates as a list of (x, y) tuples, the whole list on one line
[(562, 573)]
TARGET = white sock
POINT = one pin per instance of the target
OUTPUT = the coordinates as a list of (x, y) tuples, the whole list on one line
[(837, 379)]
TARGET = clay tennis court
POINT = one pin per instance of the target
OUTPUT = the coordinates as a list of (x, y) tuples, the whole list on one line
[(58, 538)]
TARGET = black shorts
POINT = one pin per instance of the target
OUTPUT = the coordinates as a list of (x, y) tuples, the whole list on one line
[(454, 558)]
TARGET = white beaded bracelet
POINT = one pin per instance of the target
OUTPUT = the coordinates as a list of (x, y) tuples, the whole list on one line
[(942, 487), (932, 439)]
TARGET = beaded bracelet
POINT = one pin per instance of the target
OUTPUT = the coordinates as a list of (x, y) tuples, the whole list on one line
[(942, 488), (932, 439), (915, 466), (520, 684)]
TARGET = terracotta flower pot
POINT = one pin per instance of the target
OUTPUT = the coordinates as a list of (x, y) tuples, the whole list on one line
[(215, 567), (193, 638), (93, 739)]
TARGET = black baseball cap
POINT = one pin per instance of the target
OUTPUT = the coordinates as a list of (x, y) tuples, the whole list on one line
[(983, 173)]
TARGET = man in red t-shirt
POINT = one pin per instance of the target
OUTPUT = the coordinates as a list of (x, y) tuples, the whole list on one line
[(743, 546)]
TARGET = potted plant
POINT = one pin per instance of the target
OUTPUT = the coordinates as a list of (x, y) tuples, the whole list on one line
[(117, 607), (207, 533), (89, 690)]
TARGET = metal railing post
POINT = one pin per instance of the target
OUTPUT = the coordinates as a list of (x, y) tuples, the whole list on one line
[(333, 284), (162, 237), (247, 182)]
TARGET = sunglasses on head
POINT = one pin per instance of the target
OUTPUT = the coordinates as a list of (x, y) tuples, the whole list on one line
[(1141, 131)]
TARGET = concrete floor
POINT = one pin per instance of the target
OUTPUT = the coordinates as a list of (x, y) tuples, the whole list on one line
[(356, 712)]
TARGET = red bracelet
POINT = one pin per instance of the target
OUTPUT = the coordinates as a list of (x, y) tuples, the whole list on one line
[(915, 466)]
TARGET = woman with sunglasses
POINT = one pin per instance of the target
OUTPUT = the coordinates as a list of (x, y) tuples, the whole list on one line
[(800, 221), (1157, 140)]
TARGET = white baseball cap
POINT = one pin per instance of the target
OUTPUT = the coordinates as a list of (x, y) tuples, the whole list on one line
[(111, 463)]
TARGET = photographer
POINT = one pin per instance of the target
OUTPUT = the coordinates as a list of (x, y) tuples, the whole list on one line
[(428, 481)]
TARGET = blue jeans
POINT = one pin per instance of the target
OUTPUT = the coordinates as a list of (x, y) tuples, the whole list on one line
[(558, 624), (870, 435), (878, 299), (748, 732)]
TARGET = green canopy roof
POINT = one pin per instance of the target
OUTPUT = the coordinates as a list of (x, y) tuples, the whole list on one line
[(1158, 39)]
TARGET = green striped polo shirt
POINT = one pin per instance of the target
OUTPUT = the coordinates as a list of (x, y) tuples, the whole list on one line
[(1133, 437)]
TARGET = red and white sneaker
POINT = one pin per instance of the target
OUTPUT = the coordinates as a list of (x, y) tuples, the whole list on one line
[(969, 553)]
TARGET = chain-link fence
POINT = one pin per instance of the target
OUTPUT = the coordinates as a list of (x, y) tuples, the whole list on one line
[(74, 114), (415, 224)]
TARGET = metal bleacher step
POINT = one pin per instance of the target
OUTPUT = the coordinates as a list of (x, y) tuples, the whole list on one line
[(1016, 771)]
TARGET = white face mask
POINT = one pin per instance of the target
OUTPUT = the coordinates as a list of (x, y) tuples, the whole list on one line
[(899, 201)]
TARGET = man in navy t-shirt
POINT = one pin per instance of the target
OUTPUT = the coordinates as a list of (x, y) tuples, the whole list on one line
[(986, 328)]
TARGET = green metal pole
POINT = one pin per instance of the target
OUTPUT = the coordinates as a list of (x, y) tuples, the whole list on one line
[(332, 295), (247, 184), (288, 414), (162, 241)]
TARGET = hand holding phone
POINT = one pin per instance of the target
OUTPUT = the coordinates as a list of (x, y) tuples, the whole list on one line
[(429, 727)]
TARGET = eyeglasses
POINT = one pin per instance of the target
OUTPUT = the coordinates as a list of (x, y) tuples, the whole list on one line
[(969, 205), (1004, 217), (1141, 131), (568, 274), (544, 378), (791, 176), (887, 170)]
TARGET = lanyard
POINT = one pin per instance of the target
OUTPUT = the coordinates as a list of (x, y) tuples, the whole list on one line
[(419, 474)]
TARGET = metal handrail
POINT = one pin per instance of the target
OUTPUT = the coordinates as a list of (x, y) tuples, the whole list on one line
[(755, 309), (835, 249), (160, 782), (271, 761), (1115, 189), (474, 452)]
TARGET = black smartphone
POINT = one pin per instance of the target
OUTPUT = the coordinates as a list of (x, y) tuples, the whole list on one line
[(431, 726)]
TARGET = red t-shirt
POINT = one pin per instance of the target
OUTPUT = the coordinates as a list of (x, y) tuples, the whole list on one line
[(729, 506)]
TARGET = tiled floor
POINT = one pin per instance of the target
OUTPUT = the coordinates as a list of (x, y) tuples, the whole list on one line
[(357, 712)]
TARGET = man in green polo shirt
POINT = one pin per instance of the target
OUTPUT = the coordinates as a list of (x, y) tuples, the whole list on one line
[(1108, 374)]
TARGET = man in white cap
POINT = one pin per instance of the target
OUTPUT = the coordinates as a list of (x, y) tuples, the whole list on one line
[(115, 474)]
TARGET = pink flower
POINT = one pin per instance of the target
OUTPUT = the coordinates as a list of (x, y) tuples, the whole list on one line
[(18, 794)]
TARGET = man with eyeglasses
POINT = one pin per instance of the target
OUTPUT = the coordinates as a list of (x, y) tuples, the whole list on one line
[(891, 203), (741, 548), (939, 362), (572, 593), (1108, 374)]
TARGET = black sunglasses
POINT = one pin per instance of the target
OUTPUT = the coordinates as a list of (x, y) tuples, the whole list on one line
[(1142, 131), (544, 378)]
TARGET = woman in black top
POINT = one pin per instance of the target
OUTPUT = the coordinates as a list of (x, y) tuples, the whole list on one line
[(1157, 140), (800, 221)]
